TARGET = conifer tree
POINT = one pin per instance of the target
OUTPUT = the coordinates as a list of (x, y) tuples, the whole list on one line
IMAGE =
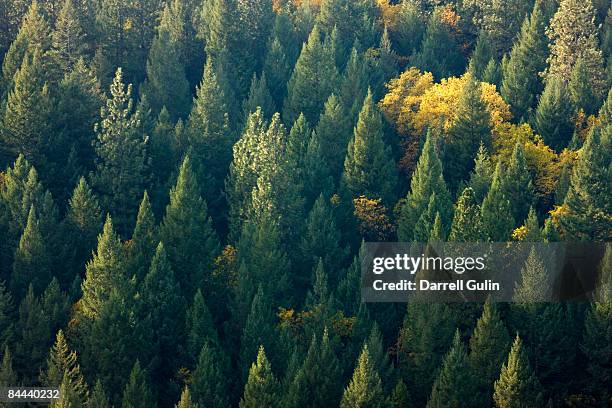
[(369, 167), (354, 86), (144, 240), (517, 384), (470, 129), (314, 78), (25, 123), (482, 176), (7, 374), (400, 397), (137, 393), (380, 357), (298, 141), (208, 133), (259, 96), (34, 33), (32, 262), (535, 281), (187, 232), (365, 388), (322, 240), (532, 227), (318, 381), (467, 223), (166, 83), (521, 82), (552, 118), (104, 273), (492, 73), (200, 327), (481, 56), (82, 225), (122, 162), (579, 89), (489, 346), (277, 67), (597, 333), (496, 210), (586, 202), (7, 324), (573, 35), (427, 179), (162, 300), (63, 368), (425, 337), (68, 39), (517, 184), (454, 385), (208, 383), (317, 176), (262, 388), (186, 401), (334, 133), (97, 397), (440, 53)]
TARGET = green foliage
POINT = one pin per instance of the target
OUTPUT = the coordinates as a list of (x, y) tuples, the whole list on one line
[(187, 232), (262, 389), (259, 97), (186, 401), (97, 397), (521, 82), (141, 247), (440, 53), (467, 224), (553, 115), (333, 135), (365, 388), (496, 210), (517, 183), (470, 130), (137, 393), (517, 385), (122, 161), (68, 39), (208, 383), (482, 176), (314, 78), (426, 180)]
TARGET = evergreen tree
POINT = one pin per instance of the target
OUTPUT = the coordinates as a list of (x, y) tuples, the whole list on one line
[(68, 40), (187, 232), (496, 210), (97, 397), (492, 73), (8, 377), (517, 385), (579, 89), (535, 281), (277, 67), (354, 86), (318, 381), (365, 388), (259, 97), (333, 135), (481, 56), (573, 35), (317, 176), (162, 300), (63, 368), (440, 53), (553, 115), (298, 141), (209, 136), (166, 83), (34, 34), (467, 223), (454, 386), (208, 383), (122, 163), (32, 262), (532, 227), (482, 176), (104, 273), (137, 393), (322, 240), (586, 203), (144, 240), (521, 82), (489, 346), (400, 397), (597, 332), (517, 184), (200, 327), (25, 123), (380, 357), (82, 225), (425, 338), (262, 388), (314, 78), (369, 167), (7, 324), (186, 401), (470, 129), (427, 179)]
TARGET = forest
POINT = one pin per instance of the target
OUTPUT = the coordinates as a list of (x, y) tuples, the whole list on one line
[(186, 187)]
